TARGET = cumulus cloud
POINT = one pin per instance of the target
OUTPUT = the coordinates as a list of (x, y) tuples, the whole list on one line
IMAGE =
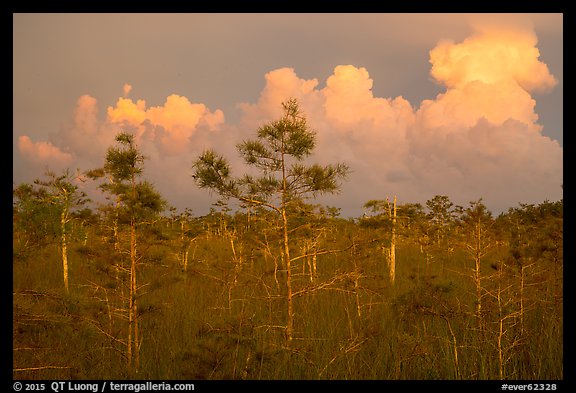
[(489, 75), (280, 85), (43, 152), (177, 128), (171, 125), (491, 55), (349, 102), (479, 138), (373, 127)]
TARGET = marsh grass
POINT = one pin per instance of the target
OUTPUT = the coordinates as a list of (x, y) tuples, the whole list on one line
[(221, 320)]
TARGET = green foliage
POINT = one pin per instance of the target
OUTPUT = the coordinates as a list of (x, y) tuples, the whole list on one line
[(475, 224), (288, 136), (440, 210), (212, 171), (135, 201), (39, 207), (534, 232), (125, 161), (441, 216), (428, 298), (280, 181), (35, 220), (476, 213)]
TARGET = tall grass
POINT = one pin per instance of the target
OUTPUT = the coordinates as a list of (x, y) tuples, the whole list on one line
[(212, 323)]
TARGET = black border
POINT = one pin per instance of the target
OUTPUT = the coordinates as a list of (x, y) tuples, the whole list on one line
[(192, 6), (292, 6)]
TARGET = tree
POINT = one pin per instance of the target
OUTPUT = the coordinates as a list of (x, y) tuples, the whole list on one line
[(34, 219), (59, 192), (535, 237), (277, 154), (382, 208), (136, 202), (185, 238), (440, 215), (477, 221)]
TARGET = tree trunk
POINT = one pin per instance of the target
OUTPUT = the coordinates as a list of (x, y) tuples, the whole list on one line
[(290, 316), (477, 277), (133, 294), (133, 333), (186, 258), (64, 246), (290, 320), (392, 259)]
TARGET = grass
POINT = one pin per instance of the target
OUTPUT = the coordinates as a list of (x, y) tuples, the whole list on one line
[(202, 324)]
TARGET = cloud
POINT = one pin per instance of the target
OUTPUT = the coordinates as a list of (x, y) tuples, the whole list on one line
[(280, 84), (511, 161), (482, 134), (127, 88), (494, 53), (479, 138), (43, 152), (373, 127), (349, 101), (86, 115), (128, 111), (170, 126), (489, 75), (87, 136)]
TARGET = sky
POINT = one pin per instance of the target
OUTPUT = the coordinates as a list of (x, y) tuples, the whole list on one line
[(464, 105)]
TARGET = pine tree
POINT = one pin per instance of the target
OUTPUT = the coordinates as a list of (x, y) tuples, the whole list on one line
[(58, 193), (277, 153), (136, 202)]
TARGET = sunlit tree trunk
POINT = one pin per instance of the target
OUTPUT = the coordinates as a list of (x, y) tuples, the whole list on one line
[(64, 245), (115, 232), (133, 305), (392, 259), (133, 295), (290, 319), (477, 219), (290, 316), (477, 260)]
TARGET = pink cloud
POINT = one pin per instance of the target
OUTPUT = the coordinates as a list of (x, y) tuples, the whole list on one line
[(492, 54), (173, 124), (280, 84), (43, 152)]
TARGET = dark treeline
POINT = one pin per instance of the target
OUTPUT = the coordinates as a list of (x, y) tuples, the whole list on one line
[(280, 288)]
